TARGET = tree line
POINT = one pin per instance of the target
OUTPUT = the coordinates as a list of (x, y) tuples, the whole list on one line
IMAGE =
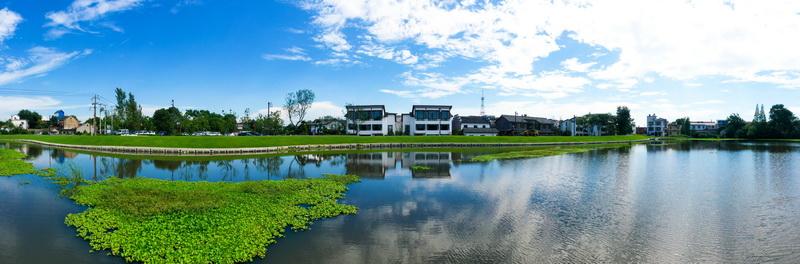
[(781, 123), (607, 123)]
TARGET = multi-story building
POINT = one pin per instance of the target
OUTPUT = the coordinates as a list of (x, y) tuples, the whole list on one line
[(368, 120), (656, 126), (428, 120), (423, 120)]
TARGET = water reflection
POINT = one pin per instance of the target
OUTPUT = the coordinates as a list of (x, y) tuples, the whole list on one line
[(691, 202)]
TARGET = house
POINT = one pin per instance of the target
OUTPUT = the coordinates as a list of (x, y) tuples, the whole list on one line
[(703, 127), (569, 127), (369, 120), (428, 120), (326, 125), (19, 123), (86, 128), (525, 125), (656, 126), (643, 130), (474, 125), (69, 124)]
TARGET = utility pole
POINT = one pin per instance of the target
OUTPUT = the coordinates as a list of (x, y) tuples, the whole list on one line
[(94, 119), (269, 107), (483, 112)]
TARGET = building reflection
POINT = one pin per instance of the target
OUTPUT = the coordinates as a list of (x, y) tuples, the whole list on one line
[(378, 165)]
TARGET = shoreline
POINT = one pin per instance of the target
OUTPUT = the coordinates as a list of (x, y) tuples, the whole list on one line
[(167, 151)]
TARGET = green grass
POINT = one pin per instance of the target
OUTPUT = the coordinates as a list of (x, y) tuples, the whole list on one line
[(420, 168), (544, 151), (157, 221), (272, 141), (11, 163)]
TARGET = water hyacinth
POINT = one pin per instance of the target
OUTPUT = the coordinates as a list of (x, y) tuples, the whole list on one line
[(12, 163), (544, 151), (158, 221)]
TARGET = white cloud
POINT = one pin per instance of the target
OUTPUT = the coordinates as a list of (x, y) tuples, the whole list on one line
[(573, 64), (40, 60), (8, 23), (747, 41), (79, 11), (293, 54), (12, 104)]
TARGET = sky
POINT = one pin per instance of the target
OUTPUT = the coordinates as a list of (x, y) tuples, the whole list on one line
[(549, 58)]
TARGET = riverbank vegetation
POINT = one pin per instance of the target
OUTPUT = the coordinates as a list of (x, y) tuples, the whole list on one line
[(273, 141), (157, 221), (547, 151)]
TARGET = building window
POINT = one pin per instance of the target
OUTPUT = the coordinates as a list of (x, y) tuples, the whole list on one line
[(420, 127), (444, 127), (466, 126), (433, 115), (377, 127), (420, 115), (445, 115), (433, 127), (351, 126), (376, 115), (363, 127), (474, 126)]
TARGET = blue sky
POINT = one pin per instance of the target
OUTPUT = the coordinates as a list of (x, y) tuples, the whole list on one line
[(545, 58)]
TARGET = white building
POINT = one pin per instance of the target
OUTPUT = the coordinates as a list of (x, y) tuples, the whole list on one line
[(369, 120), (474, 125), (428, 120), (656, 126), (19, 123), (703, 126)]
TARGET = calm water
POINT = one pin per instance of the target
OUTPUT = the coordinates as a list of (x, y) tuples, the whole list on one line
[(693, 202)]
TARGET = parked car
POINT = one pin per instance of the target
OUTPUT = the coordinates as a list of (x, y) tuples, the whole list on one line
[(248, 133)]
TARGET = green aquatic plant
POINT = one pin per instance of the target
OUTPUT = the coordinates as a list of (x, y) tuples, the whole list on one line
[(12, 163), (420, 168), (159, 221), (544, 151)]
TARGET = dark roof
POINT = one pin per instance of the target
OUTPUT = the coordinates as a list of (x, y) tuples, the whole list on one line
[(526, 119), (474, 119), (366, 106), (479, 130), (425, 106)]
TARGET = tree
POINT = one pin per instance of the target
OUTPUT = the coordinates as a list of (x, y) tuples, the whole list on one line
[(33, 118), (133, 117), (119, 109), (624, 121), (268, 124), (735, 127), (297, 104), (166, 120), (781, 122)]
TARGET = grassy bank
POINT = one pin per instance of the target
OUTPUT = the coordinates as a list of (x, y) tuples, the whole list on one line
[(545, 151), (272, 141), (157, 221)]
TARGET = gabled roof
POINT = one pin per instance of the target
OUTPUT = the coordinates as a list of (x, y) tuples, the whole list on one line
[(474, 119), (527, 119)]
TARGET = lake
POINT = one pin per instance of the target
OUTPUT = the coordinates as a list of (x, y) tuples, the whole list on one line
[(733, 202)]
